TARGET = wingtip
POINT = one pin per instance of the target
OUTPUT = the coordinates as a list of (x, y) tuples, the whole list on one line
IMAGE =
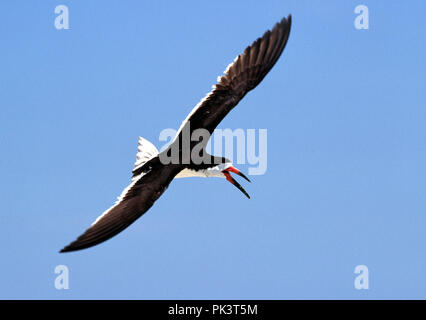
[(63, 250), (285, 21), (69, 248)]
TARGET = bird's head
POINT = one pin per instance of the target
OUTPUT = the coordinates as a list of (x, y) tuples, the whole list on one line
[(224, 170)]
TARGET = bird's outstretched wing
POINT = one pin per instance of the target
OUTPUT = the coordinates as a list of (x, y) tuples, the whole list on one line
[(134, 201), (241, 76), (151, 179)]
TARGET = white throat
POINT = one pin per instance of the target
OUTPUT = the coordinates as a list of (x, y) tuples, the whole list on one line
[(205, 173)]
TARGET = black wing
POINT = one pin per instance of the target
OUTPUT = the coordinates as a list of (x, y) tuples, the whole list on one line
[(151, 180), (243, 75), (135, 200)]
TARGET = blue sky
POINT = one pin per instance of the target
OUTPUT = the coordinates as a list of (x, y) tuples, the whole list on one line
[(345, 114)]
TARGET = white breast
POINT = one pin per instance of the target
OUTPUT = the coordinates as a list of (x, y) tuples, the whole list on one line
[(205, 173)]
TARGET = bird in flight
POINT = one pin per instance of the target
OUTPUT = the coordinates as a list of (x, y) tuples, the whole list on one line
[(154, 171)]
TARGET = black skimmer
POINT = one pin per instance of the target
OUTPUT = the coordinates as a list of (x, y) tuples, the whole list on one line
[(152, 176)]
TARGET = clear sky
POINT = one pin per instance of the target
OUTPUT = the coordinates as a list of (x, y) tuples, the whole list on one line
[(345, 116)]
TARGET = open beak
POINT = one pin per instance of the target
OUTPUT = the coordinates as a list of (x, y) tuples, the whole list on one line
[(228, 176)]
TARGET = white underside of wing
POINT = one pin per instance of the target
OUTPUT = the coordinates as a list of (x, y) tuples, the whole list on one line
[(184, 122), (228, 67), (202, 100), (120, 198), (146, 151)]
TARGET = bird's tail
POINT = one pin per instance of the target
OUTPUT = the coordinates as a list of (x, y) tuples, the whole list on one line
[(146, 151)]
